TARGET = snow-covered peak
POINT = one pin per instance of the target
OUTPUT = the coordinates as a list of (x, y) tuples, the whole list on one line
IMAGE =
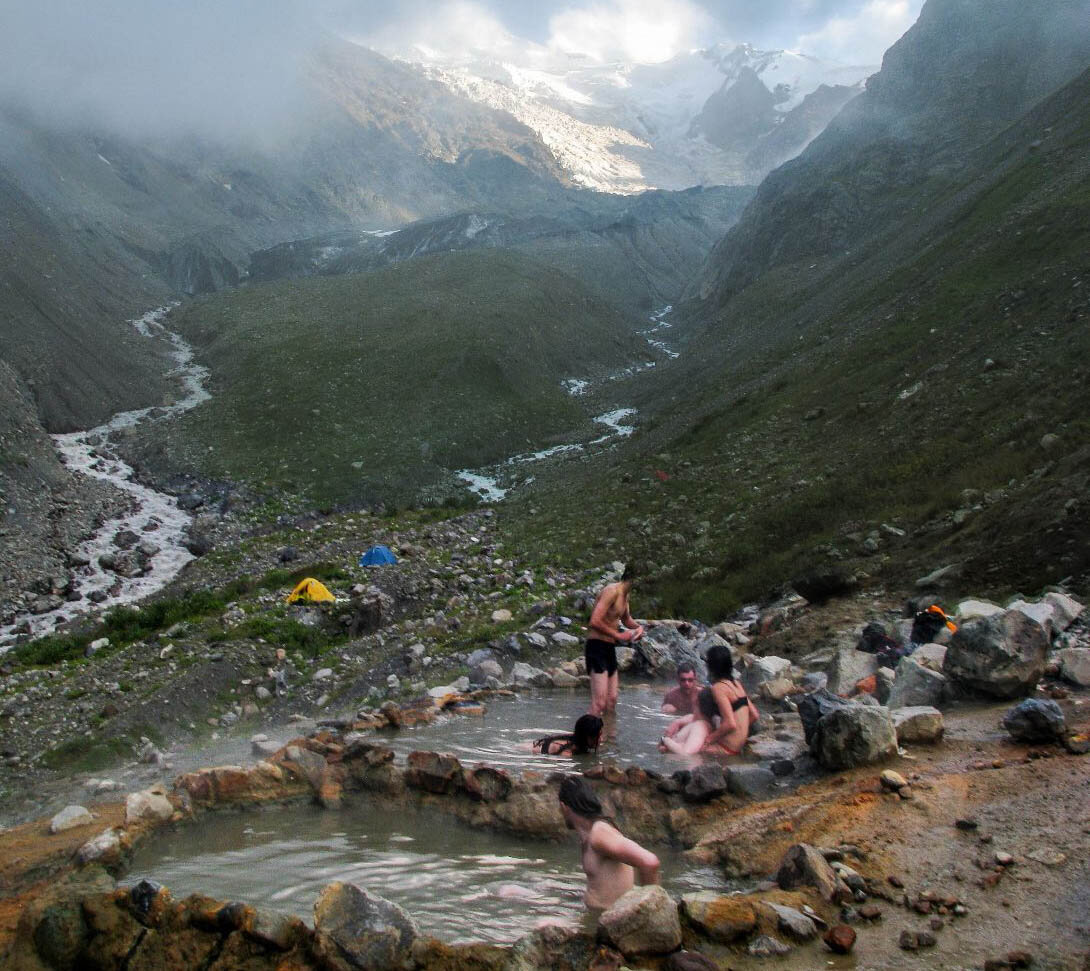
[(624, 127)]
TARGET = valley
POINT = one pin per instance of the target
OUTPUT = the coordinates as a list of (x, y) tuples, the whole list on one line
[(805, 341)]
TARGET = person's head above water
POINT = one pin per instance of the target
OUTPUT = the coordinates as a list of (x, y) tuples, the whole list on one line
[(720, 663), (587, 734), (686, 674), (577, 795)]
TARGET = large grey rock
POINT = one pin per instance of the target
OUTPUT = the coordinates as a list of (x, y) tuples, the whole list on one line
[(757, 670), (705, 782), (1075, 665), (750, 781), (918, 725), (804, 866), (1043, 612), (916, 685), (69, 818), (972, 609), (848, 667), (1002, 656), (794, 923), (644, 921), (364, 930), (854, 736), (1035, 720), (488, 668), (931, 656), (1066, 609), (104, 848), (815, 706), (147, 805), (526, 674)]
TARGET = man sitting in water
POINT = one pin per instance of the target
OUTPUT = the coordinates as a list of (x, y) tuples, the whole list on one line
[(612, 862), (610, 624), (682, 699)]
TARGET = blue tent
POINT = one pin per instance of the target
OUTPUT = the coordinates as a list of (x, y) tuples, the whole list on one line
[(377, 556)]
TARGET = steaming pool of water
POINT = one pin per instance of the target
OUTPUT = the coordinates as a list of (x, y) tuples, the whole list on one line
[(459, 884)]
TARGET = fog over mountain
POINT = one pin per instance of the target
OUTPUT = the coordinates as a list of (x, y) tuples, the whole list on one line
[(225, 70)]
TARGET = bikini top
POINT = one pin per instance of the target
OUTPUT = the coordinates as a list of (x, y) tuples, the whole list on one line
[(738, 703), (546, 743)]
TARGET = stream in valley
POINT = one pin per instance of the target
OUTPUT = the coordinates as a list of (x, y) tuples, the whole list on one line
[(153, 517)]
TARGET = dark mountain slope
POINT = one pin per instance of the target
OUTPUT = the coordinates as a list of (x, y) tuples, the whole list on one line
[(934, 380), (959, 76)]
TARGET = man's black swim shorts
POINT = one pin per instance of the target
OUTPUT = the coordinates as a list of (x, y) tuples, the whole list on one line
[(601, 657)]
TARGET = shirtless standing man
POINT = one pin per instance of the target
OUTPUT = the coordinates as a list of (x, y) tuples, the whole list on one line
[(610, 624), (612, 862)]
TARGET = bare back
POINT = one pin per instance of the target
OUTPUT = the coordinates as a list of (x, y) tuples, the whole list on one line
[(607, 877)]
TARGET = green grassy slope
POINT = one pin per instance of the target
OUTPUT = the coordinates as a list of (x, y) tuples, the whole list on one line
[(375, 386), (909, 383)]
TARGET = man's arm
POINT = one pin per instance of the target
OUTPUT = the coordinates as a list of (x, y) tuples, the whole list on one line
[(599, 622), (610, 844)]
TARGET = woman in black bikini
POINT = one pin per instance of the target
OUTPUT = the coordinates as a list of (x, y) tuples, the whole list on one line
[(584, 738), (736, 712)]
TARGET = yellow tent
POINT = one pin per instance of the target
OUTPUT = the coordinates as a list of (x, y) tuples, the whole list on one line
[(312, 591)]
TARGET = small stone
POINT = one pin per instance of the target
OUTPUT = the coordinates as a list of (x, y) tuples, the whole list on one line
[(892, 781), (908, 941), (937, 923), (966, 824), (926, 939), (840, 939), (1003, 859), (69, 818), (767, 946), (1019, 959), (895, 881), (906, 793), (870, 912)]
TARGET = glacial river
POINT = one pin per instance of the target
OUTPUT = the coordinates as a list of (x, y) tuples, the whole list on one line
[(153, 516)]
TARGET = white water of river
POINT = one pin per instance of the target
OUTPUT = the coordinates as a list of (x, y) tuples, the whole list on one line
[(152, 516), (486, 483)]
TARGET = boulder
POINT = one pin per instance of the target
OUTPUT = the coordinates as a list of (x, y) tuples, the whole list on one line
[(750, 781), (917, 725), (501, 616), (804, 866), (1075, 665), (814, 706), (705, 782), (104, 848), (643, 921), (690, 961), (757, 670), (433, 772), (849, 666), (854, 736), (724, 919), (1043, 612), (1065, 609), (916, 685), (149, 804), (69, 818), (1002, 656), (930, 656), (793, 923), (767, 946), (972, 609), (1035, 720), (364, 930), (488, 668), (526, 674)]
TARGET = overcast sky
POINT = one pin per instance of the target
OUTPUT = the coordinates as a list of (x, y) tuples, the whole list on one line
[(221, 66)]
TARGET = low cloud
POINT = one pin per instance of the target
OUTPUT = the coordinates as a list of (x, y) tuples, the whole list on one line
[(158, 66), (644, 31), (862, 37), (457, 26)]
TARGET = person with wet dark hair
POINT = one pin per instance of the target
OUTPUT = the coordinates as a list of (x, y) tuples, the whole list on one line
[(583, 739), (737, 713), (610, 624), (612, 862)]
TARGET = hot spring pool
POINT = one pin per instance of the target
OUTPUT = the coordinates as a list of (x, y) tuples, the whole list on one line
[(459, 884)]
